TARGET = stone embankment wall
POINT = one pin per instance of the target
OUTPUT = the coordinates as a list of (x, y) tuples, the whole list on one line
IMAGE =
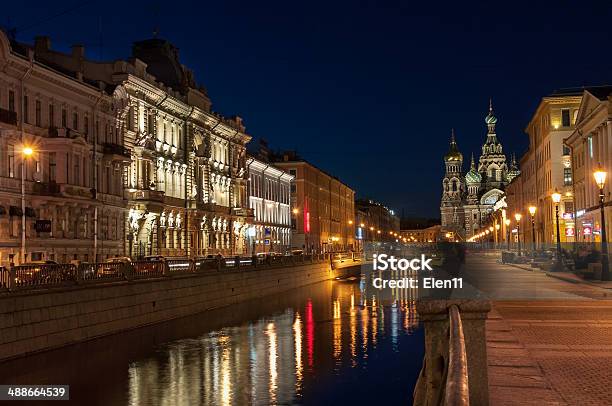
[(32, 321)]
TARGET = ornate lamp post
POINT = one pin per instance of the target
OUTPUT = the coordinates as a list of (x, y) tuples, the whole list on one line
[(507, 223), (600, 178), (532, 212), (497, 237), (556, 198), (518, 217)]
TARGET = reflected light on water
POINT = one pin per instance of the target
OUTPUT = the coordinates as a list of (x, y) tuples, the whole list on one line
[(261, 361)]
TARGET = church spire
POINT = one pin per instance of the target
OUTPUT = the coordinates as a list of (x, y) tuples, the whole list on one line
[(453, 153), (490, 119)]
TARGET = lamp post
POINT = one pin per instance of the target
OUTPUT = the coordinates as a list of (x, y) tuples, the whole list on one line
[(556, 198), (26, 152), (507, 223), (497, 237), (518, 217), (600, 178), (532, 212)]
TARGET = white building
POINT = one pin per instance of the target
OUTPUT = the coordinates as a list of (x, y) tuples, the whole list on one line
[(270, 200), (74, 134)]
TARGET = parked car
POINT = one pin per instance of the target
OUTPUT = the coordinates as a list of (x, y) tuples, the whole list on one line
[(115, 266)]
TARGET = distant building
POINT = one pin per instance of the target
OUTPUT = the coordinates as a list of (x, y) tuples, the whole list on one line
[(375, 222), (429, 234), (468, 200), (323, 207), (269, 190)]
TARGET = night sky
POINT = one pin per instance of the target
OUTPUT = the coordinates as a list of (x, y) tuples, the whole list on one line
[(369, 91)]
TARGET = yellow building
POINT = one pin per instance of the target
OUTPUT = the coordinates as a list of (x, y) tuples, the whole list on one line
[(546, 167), (323, 207), (590, 147)]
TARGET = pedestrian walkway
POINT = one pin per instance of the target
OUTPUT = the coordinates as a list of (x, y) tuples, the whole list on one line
[(554, 348)]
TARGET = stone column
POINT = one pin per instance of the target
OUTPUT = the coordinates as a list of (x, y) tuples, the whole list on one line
[(432, 379)]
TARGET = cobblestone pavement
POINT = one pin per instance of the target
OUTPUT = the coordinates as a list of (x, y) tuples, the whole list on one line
[(549, 342)]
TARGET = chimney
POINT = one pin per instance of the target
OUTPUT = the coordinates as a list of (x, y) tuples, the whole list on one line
[(42, 43), (78, 51)]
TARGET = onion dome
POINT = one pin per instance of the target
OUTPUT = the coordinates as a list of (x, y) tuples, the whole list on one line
[(490, 119), (453, 153), (473, 177)]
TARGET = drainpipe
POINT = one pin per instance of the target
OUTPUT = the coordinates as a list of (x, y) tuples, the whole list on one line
[(94, 190), (23, 159)]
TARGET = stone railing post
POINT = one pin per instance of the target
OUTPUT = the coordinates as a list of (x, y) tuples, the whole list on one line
[(429, 390)]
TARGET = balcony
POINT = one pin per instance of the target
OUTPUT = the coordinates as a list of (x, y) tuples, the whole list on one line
[(46, 188), (116, 152), (54, 132), (243, 212), (148, 195), (8, 117)]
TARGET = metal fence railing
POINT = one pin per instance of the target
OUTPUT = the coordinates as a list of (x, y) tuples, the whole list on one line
[(51, 275)]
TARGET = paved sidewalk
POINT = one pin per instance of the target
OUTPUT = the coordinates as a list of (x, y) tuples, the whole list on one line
[(549, 345)]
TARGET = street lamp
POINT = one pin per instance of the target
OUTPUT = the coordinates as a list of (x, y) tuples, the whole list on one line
[(600, 178), (507, 223), (532, 212), (556, 198), (26, 152), (518, 217)]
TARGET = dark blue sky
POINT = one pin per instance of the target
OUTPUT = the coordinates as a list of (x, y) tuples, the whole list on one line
[(366, 90)]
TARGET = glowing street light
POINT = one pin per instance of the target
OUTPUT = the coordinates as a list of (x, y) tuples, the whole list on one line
[(532, 212), (27, 151), (600, 176), (517, 217), (507, 223), (556, 198)]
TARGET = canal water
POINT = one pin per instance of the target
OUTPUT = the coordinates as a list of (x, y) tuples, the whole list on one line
[(336, 342)]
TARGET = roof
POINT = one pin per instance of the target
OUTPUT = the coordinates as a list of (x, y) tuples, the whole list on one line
[(601, 92)]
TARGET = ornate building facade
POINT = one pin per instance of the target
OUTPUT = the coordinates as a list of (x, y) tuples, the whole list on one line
[(468, 200), (60, 132), (135, 162), (270, 200)]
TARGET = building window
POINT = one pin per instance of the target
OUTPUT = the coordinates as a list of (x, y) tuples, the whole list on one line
[(566, 150), (38, 114), (26, 112), (11, 160), (86, 126), (293, 188), (51, 115), (77, 170), (292, 172), (567, 176), (64, 118), (590, 142), (565, 117), (52, 167), (11, 101), (75, 121)]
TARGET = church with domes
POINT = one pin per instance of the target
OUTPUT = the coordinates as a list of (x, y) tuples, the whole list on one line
[(468, 199)]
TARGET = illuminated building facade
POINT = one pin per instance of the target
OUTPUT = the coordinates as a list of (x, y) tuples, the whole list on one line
[(379, 222), (269, 191), (171, 173), (468, 200), (76, 146), (429, 234), (590, 146), (323, 212)]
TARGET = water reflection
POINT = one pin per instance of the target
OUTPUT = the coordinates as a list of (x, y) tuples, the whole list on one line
[(335, 341)]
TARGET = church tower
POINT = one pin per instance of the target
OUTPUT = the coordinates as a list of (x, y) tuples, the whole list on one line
[(472, 182), (492, 164), (453, 189)]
